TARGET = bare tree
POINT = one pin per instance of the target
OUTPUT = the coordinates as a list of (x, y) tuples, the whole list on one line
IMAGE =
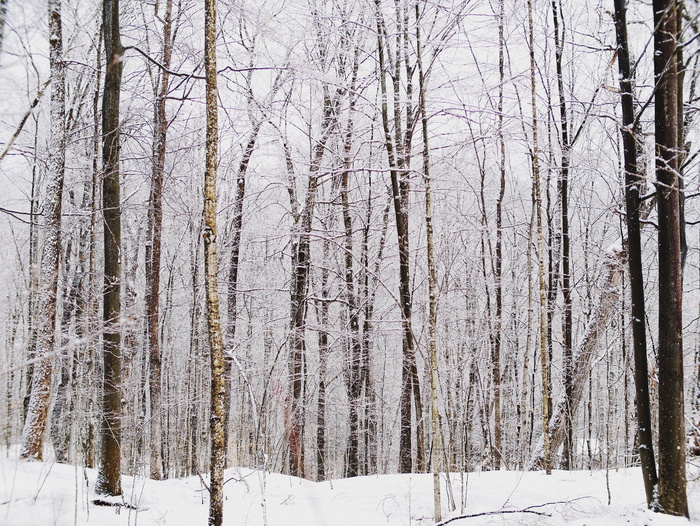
[(109, 480), (211, 274), (153, 249), (37, 412), (633, 184), (672, 480)]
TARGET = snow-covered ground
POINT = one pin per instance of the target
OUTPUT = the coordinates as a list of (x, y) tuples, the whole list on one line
[(47, 493)]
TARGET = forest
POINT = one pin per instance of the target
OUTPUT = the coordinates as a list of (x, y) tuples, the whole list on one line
[(330, 239)]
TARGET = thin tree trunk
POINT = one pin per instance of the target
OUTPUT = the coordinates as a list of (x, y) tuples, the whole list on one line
[(153, 252), (301, 264), (323, 351), (432, 293), (633, 184), (37, 413), (234, 265), (211, 273), (354, 379), (498, 270), (398, 152), (540, 251), (567, 323), (672, 479)]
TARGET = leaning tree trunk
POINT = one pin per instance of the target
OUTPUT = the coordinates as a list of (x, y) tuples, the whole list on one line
[(109, 480), (37, 412), (672, 480), (211, 271), (633, 184)]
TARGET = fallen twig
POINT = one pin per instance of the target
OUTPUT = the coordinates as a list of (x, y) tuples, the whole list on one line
[(482, 514), (101, 502), (529, 509)]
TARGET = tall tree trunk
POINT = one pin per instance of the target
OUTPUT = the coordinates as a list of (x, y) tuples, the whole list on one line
[(234, 265), (498, 270), (211, 273), (432, 280), (153, 252), (540, 249), (37, 413), (109, 479), (323, 351), (633, 184), (398, 153), (301, 264), (354, 374), (672, 480), (567, 323)]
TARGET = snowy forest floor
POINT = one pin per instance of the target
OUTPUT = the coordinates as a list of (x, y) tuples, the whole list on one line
[(49, 493)]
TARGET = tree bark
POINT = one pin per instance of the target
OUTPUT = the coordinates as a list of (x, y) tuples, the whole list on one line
[(211, 273), (109, 479), (398, 153), (633, 184), (38, 409), (563, 183), (547, 465), (672, 479), (153, 252), (436, 452)]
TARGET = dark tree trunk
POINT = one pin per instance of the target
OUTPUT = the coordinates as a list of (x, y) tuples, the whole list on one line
[(109, 480), (633, 184), (672, 480), (567, 324), (398, 153), (234, 265)]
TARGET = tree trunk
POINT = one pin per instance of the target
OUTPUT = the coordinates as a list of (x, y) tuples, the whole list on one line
[(540, 252), (398, 153), (37, 413), (432, 282), (109, 479), (153, 252), (301, 264), (211, 273), (633, 184), (672, 479), (567, 323)]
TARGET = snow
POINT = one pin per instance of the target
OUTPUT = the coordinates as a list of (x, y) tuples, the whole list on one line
[(47, 493)]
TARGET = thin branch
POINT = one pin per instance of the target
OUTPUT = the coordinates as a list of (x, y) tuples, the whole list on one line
[(199, 77), (529, 509), (36, 100)]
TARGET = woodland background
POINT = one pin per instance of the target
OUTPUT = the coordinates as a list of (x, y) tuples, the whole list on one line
[(327, 378)]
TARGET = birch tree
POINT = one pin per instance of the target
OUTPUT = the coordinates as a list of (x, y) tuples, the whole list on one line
[(211, 272)]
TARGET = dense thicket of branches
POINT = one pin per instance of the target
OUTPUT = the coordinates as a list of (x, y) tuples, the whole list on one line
[(416, 201)]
